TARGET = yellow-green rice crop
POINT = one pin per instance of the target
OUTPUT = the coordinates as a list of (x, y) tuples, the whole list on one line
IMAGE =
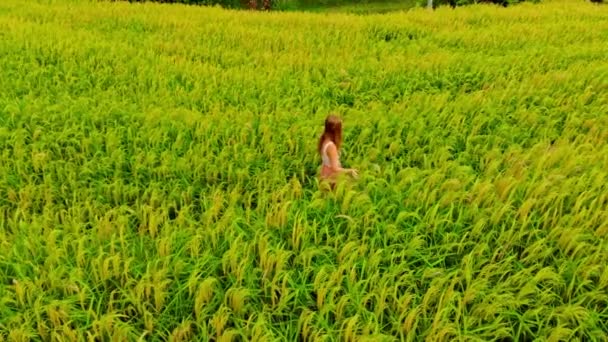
[(158, 164)]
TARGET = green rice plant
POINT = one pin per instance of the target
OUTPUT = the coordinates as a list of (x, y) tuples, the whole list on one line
[(158, 173)]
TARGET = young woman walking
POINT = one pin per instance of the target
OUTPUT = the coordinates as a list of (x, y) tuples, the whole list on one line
[(329, 148)]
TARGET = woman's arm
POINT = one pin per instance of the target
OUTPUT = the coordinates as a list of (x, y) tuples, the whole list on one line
[(334, 161)]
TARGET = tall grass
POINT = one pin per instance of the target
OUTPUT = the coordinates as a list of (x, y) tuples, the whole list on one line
[(158, 164)]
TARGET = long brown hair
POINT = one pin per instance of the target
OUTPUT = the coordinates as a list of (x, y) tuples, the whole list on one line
[(333, 132)]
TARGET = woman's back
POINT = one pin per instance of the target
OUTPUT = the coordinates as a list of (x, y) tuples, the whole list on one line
[(324, 155)]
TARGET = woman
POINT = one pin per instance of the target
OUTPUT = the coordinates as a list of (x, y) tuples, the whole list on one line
[(329, 148)]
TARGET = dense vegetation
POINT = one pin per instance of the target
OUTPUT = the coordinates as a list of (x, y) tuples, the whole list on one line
[(157, 173), (356, 5)]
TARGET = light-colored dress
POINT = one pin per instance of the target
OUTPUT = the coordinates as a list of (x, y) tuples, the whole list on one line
[(326, 170)]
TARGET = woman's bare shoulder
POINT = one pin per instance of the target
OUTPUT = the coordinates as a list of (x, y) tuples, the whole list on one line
[(330, 147)]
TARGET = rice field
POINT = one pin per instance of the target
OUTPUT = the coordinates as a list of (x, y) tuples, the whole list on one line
[(158, 173)]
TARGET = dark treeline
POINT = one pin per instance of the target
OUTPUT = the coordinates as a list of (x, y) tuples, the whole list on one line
[(303, 4)]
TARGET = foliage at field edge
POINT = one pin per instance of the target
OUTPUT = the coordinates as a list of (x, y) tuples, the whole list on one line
[(362, 5), (157, 173)]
